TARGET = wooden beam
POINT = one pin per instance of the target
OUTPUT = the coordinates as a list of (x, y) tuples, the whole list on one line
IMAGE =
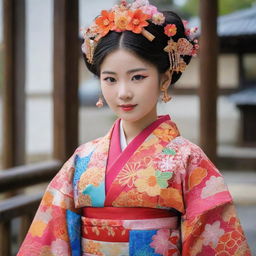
[(18, 206), (14, 83), (66, 55), (23, 206), (208, 77), (238, 44), (23, 176)]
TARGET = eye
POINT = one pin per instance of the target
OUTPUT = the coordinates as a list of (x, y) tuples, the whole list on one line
[(110, 79), (138, 77)]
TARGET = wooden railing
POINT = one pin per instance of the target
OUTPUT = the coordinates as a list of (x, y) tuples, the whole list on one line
[(23, 205), (23, 176), (16, 175)]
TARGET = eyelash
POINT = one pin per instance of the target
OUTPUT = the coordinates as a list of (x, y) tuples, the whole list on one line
[(107, 79), (139, 77)]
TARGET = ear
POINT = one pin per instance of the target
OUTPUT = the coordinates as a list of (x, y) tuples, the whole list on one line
[(165, 80)]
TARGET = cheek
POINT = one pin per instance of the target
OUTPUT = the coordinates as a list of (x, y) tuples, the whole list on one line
[(107, 94), (154, 89)]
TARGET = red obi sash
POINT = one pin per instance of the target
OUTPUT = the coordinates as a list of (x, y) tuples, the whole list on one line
[(112, 224), (126, 213)]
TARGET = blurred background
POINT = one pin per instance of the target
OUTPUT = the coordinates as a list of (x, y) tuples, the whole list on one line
[(236, 101)]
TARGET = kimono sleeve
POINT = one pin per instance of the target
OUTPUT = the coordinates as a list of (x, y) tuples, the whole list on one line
[(209, 225), (50, 232)]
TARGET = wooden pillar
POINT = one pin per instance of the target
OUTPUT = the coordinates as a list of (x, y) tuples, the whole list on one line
[(66, 54), (25, 223), (241, 71), (13, 97), (208, 77), (14, 83), (5, 238)]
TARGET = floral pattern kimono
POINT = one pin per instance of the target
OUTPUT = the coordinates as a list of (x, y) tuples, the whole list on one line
[(161, 195)]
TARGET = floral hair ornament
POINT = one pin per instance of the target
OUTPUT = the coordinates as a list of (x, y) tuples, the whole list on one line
[(177, 50), (133, 17)]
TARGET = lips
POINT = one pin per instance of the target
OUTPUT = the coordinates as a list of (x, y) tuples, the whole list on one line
[(127, 107)]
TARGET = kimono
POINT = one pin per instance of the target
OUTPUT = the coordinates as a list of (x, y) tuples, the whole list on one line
[(161, 195)]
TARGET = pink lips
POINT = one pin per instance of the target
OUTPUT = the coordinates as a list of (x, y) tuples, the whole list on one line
[(127, 107)]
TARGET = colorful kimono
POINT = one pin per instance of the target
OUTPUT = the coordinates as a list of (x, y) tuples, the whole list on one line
[(161, 195)]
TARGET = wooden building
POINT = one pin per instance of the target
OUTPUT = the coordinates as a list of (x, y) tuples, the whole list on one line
[(237, 40)]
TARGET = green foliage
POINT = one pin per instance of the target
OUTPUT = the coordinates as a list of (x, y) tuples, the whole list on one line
[(228, 6), (191, 7)]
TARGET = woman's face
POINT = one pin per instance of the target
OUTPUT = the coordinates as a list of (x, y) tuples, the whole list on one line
[(130, 86)]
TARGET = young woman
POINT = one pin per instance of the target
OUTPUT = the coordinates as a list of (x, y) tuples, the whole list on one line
[(142, 189)]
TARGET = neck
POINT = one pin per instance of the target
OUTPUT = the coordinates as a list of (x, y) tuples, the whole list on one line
[(133, 128)]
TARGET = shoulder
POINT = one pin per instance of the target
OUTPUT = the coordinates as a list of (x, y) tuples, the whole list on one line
[(80, 152), (191, 155), (64, 177), (185, 147), (88, 147)]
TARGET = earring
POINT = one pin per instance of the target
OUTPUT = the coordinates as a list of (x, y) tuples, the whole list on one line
[(164, 88), (100, 103), (166, 97)]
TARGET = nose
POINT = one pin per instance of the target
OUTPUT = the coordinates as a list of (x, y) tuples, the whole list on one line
[(124, 92)]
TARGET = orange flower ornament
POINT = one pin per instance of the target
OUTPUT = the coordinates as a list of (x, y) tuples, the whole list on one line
[(105, 23), (135, 17), (122, 19), (170, 30), (138, 21)]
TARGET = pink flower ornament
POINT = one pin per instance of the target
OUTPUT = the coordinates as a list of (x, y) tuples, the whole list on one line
[(158, 18), (139, 3), (149, 10)]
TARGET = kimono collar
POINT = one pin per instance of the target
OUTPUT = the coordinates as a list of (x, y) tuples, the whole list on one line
[(123, 142)]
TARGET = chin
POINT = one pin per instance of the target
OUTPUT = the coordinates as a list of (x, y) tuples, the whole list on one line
[(132, 118)]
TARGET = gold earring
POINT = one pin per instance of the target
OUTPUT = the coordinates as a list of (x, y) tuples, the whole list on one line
[(100, 103), (166, 97)]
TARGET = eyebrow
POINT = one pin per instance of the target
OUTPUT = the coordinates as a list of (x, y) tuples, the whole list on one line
[(128, 72)]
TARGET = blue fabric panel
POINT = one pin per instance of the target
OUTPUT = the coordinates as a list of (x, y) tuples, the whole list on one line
[(97, 194), (139, 243), (74, 232), (81, 164)]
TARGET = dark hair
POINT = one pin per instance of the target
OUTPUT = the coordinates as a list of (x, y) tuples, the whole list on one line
[(152, 52)]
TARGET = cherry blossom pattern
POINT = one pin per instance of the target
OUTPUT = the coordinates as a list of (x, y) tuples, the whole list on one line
[(213, 186), (59, 247), (212, 234), (165, 243)]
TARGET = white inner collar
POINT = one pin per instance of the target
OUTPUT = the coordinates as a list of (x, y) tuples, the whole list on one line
[(123, 142)]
